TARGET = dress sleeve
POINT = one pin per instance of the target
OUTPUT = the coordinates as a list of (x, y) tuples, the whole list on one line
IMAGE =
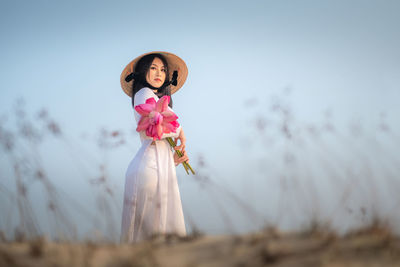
[(140, 98)]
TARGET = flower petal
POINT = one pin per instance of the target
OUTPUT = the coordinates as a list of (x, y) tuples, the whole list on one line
[(171, 118), (168, 127), (159, 131), (143, 123), (169, 113), (162, 103), (151, 101), (152, 132), (144, 109), (175, 124), (157, 118)]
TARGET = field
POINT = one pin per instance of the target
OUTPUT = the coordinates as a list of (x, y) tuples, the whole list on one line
[(348, 218), (374, 246)]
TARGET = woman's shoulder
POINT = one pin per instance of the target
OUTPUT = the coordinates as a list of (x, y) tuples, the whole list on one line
[(143, 94), (145, 91)]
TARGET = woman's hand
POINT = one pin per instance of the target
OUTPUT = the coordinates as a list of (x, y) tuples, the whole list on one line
[(180, 147), (182, 159), (182, 139)]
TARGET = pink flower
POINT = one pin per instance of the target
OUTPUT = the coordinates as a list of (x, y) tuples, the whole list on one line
[(156, 118)]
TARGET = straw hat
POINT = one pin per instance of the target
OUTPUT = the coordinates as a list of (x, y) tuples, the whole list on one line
[(175, 63)]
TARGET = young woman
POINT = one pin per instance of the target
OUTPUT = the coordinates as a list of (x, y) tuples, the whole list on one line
[(152, 203)]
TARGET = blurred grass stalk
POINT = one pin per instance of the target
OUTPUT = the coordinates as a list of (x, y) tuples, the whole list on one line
[(281, 145)]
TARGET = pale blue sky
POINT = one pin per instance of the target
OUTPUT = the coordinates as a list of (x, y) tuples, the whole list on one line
[(66, 56)]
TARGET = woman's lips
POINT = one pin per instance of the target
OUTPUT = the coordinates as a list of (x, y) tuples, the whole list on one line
[(157, 80)]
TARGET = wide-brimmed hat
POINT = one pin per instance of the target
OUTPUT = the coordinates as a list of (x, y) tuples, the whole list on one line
[(174, 62)]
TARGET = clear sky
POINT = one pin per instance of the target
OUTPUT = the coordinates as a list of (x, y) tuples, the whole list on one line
[(67, 56)]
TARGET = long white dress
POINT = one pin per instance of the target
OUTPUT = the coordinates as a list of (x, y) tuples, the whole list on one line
[(152, 202)]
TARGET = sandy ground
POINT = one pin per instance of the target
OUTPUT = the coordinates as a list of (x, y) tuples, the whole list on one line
[(372, 247)]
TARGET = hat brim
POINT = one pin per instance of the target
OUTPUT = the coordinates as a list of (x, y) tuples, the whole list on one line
[(174, 62)]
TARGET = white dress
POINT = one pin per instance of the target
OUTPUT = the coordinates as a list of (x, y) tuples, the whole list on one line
[(152, 202)]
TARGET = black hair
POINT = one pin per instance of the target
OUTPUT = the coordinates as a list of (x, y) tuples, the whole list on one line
[(139, 76)]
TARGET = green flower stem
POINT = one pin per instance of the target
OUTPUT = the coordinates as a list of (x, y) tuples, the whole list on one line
[(184, 165), (173, 144), (180, 154)]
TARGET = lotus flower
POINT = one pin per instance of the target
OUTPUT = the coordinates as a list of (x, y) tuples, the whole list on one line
[(156, 117)]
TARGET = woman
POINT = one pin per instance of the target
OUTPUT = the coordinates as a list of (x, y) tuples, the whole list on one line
[(152, 203)]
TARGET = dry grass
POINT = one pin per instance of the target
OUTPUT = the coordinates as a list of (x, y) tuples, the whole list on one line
[(369, 247), (279, 152)]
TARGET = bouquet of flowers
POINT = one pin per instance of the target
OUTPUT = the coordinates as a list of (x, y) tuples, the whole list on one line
[(157, 119)]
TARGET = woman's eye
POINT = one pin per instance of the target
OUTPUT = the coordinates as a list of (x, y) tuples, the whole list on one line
[(163, 70), (152, 68)]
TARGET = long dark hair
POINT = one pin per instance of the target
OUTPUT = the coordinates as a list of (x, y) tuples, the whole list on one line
[(140, 72)]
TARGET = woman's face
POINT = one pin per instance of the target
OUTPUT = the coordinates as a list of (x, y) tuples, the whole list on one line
[(156, 74)]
